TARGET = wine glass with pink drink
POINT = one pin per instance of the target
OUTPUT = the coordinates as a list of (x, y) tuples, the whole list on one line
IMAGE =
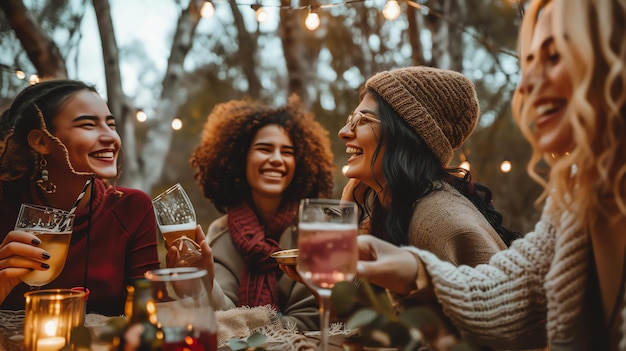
[(327, 250)]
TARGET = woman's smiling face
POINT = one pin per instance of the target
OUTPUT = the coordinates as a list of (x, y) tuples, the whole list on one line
[(87, 129), (271, 162), (361, 140), (547, 89)]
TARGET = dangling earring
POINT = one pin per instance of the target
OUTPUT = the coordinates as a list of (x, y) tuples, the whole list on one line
[(44, 183)]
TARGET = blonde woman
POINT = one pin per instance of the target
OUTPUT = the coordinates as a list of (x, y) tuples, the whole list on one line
[(562, 285)]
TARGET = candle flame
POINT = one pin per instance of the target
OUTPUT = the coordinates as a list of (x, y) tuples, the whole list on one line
[(50, 327)]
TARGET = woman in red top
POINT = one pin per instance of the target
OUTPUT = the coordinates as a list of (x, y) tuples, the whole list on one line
[(54, 137)]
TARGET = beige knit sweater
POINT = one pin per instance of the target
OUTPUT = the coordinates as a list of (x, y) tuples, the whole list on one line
[(528, 295)]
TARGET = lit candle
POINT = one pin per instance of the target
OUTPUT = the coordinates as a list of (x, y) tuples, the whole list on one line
[(50, 342), (54, 343)]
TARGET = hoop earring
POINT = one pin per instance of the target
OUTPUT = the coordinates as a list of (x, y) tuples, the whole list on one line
[(44, 183)]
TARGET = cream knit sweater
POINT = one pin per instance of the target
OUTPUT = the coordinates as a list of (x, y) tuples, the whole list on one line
[(530, 292)]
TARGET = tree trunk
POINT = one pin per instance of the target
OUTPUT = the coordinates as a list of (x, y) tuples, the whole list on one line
[(301, 60), (455, 13), (117, 101), (417, 54), (159, 137), (440, 33), (41, 50), (248, 48)]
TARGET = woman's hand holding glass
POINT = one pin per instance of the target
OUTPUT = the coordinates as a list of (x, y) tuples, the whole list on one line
[(176, 219), (20, 254), (173, 255), (53, 229), (386, 265)]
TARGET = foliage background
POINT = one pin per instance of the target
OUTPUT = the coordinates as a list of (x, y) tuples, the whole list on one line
[(232, 56)]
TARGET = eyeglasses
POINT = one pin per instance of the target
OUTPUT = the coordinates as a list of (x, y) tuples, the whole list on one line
[(355, 118)]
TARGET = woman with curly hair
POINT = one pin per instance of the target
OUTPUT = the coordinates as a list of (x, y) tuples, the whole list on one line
[(255, 163), (562, 285)]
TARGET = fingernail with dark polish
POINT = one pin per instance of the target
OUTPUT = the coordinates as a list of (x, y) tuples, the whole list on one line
[(45, 255), (45, 265), (36, 242)]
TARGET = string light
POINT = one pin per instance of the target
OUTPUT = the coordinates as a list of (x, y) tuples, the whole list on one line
[(312, 21), (33, 79), (392, 10), (207, 10), (505, 166), (141, 116), (261, 14), (177, 123)]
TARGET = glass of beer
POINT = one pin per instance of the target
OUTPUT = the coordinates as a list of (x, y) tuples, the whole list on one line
[(176, 219), (54, 228)]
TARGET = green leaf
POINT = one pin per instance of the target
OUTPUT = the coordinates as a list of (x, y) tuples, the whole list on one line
[(343, 297), (424, 319), (81, 336), (362, 317), (113, 328), (386, 307), (237, 344), (256, 339)]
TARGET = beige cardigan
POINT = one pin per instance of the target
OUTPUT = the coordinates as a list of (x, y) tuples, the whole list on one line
[(528, 295), (297, 303)]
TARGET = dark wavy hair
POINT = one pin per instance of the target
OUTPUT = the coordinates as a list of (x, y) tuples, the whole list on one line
[(22, 116), (411, 172), (220, 158)]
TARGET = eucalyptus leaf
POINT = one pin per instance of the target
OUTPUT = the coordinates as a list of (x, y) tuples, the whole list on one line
[(424, 319), (256, 339), (343, 297), (362, 317), (80, 337), (237, 344), (385, 304)]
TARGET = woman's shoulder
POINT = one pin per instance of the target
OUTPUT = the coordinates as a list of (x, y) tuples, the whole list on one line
[(448, 208), (126, 194), (217, 229), (442, 200), (123, 200)]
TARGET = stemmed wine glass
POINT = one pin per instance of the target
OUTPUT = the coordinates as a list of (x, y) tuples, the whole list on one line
[(53, 227), (327, 250), (176, 219)]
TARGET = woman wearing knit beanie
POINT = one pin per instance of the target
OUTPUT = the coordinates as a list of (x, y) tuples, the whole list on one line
[(400, 139), (562, 285)]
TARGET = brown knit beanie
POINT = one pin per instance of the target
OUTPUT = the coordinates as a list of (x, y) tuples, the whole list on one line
[(440, 105)]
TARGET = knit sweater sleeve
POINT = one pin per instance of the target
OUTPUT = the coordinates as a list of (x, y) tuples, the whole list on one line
[(504, 299)]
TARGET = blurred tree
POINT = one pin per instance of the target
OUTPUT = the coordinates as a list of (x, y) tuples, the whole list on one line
[(238, 57)]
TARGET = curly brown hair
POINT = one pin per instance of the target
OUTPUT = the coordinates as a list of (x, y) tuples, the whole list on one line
[(220, 158)]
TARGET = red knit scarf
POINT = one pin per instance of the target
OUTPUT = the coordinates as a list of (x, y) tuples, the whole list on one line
[(258, 285)]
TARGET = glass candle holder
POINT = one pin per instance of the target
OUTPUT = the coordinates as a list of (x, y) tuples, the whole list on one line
[(50, 316)]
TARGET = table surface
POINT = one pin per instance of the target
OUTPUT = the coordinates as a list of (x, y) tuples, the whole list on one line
[(12, 326)]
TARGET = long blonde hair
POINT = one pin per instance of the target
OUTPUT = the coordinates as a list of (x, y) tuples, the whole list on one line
[(591, 178)]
